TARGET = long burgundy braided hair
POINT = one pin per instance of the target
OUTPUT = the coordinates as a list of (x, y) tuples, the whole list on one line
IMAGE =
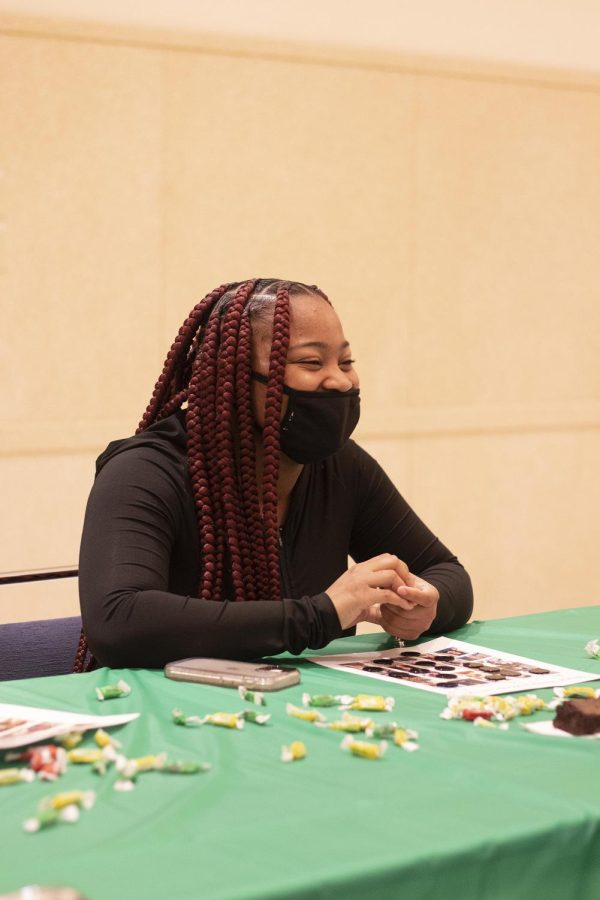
[(209, 367)]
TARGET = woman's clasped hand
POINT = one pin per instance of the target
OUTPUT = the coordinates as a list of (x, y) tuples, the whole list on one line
[(384, 592)]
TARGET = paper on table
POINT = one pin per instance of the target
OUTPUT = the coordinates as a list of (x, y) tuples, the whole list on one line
[(547, 728), (418, 667), (20, 725)]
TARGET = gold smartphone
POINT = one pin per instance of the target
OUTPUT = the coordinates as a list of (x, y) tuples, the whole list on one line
[(261, 676)]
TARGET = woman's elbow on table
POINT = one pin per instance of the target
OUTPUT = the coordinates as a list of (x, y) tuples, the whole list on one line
[(112, 629), (455, 605)]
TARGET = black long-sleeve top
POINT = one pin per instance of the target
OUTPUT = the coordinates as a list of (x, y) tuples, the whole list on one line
[(139, 565)]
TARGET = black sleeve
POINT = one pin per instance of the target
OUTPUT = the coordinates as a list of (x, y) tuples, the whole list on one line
[(385, 523), (133, 518)]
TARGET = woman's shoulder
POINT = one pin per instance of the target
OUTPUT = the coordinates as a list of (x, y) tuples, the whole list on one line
[(351, 468), (162, 446), (354, 458), (360, 473)]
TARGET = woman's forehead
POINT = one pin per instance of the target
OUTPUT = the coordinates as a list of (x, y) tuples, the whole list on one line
[(312, 320)]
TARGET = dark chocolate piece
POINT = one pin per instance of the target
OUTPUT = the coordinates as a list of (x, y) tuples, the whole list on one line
[(578, 716)]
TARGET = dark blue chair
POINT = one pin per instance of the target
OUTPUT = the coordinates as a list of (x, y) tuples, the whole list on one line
[(34, 649), (42, 647)]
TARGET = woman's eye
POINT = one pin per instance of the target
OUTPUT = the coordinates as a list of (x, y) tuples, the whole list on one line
[(309, 362), (347, 362)]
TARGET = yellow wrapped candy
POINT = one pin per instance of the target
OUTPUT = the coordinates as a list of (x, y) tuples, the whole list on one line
[(371, 703), (529, 704), (84, 799), (224, 720), (82, 756), (403, 737), (103, 739), (307, 715), (363, 748), (296, 750), (351, 724)]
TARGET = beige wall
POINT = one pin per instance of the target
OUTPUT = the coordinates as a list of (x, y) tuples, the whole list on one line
[(555, 33), (451, 214)]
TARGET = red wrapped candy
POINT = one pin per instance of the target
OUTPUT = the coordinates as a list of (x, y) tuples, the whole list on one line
[(471, 714), (48, 761)]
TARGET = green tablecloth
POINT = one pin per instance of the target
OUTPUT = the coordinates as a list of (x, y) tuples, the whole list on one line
[(473, 814)]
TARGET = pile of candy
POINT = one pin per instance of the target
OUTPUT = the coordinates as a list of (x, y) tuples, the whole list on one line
[(353, 724), (222, 719), (229, 720), (486, 711), (348, 722), (295, 751), (129, 769), (49, 762)]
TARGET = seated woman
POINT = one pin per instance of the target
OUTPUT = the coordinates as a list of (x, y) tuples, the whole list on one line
[(223, 527)]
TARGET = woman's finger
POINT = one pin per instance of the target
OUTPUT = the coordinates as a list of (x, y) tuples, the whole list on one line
[(373, 615), (385, 578), (390, 561), (418, 596), (390, 598), (399, 614)]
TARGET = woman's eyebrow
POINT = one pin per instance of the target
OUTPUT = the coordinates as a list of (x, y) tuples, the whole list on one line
[(321, 345)]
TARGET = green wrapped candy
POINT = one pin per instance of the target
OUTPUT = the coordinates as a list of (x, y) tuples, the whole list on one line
[(252, 696), (179, 718), (185, 767), (113, 691), (325, 700), (251, 715)]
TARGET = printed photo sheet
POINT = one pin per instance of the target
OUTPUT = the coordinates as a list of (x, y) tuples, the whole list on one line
[(20, 725), (447, 666)]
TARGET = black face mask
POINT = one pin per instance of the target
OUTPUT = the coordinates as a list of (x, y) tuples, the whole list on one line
[(317, 423)]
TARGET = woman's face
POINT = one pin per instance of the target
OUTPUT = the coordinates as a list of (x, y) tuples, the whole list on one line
[(319, 356)]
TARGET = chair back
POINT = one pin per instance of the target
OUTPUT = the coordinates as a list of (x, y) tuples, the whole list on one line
[(42, 647)]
